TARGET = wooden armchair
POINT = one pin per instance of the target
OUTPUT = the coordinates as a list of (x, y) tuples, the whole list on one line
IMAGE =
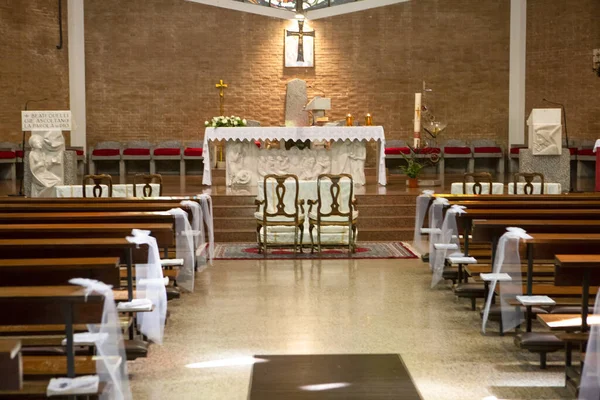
[(528, 177), (147, 180), (98, 180), (334, 207), (478, 179), (280, 209)]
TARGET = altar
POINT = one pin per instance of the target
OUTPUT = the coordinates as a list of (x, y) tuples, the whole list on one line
[(247, 164)]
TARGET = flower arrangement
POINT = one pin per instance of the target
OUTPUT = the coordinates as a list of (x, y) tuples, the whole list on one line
[(225, 122)]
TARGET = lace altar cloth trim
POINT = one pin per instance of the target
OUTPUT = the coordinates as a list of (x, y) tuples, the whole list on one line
[(295, 133)]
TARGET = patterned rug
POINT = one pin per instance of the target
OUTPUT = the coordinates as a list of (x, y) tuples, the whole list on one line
[(373, 250)]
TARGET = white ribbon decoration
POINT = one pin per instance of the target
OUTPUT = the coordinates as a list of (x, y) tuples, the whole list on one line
[(197, 224), (513, 234), (207, 212), (436, 212), (449, 235), (152, 324), (590, 376), (111, 365), (185, 248), (423, 201)]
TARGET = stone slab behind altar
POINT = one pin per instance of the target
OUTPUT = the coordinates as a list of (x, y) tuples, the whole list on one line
[(556, 169), (70, 171), (246, 164)]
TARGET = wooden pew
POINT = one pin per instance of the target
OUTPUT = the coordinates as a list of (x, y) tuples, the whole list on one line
[(78, 248), (62, 305), (163, 232), (80, 206), (466, 220), (121, 217), (582, 267), (521, 197), (58, 271), (543, 245), (472, 204), (11, 365)]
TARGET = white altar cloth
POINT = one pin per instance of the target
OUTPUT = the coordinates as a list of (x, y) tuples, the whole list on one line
[(118, 190), (312, 133)]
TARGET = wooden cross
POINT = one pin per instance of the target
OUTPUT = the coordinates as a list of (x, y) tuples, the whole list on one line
[(300, 33), (221, 86)]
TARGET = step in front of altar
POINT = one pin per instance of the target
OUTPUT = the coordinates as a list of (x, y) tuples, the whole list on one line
[(381, 217)]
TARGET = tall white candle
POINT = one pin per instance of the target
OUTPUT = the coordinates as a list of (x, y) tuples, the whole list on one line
[(417, 138), (417, 112)]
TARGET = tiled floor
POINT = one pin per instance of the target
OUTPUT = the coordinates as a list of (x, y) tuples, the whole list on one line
[(243, 308)]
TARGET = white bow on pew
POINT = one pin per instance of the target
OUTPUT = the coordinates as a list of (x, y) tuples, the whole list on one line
[(207, 213), (111, 363), (449, 240), (152, 287), (436, 213), (185, 248), (422, 202), (507, 261), (589, 387)]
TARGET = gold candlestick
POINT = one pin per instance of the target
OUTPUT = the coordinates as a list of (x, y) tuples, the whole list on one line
[(368, 120), (349, 120)]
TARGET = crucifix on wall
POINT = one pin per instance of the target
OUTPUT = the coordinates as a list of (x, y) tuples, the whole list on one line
[(299, 47)]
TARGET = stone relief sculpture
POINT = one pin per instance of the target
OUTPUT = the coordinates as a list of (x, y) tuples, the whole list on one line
[(358, 156), (547, 140), (247, 164), (46, 162)]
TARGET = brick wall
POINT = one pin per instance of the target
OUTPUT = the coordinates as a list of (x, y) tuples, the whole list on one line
[(152, 66), (560, 37), (30, 65)]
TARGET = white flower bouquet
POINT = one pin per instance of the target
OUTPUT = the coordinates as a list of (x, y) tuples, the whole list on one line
[(225, 122)]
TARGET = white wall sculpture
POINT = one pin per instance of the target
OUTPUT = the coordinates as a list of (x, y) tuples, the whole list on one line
[(46, 162)]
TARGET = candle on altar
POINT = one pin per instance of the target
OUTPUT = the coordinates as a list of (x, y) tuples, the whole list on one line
[(349, 120), (417, 137), (368, 120)]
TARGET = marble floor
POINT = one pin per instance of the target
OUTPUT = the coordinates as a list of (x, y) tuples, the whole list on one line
[(243, 308)]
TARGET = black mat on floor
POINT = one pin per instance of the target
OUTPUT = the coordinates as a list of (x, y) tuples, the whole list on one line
[(338, 376)]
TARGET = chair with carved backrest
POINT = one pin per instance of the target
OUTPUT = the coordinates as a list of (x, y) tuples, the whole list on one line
[(282, 212), (147, 180), (335, 207), (478, 179), (528, 188), (98, 181)]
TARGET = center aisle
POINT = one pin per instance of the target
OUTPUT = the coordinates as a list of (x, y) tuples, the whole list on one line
[(242, 308)]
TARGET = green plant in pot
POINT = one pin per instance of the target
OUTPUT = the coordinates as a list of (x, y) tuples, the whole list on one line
[(412, 169)]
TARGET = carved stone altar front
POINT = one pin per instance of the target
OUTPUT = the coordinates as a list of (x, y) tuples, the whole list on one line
[(247, 164)]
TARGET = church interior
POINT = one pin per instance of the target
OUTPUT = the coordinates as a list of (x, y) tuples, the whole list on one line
[(300, 199)]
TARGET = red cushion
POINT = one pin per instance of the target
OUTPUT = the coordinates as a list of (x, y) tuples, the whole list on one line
[(7, 154), (397, 150), (573, 151), (585, 152), (136, 152), (516, 150), (106, 152), (457, 150), (428, 150), (79, 152), (19, 153), (167, 152), (490, 149), (193, 152)]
